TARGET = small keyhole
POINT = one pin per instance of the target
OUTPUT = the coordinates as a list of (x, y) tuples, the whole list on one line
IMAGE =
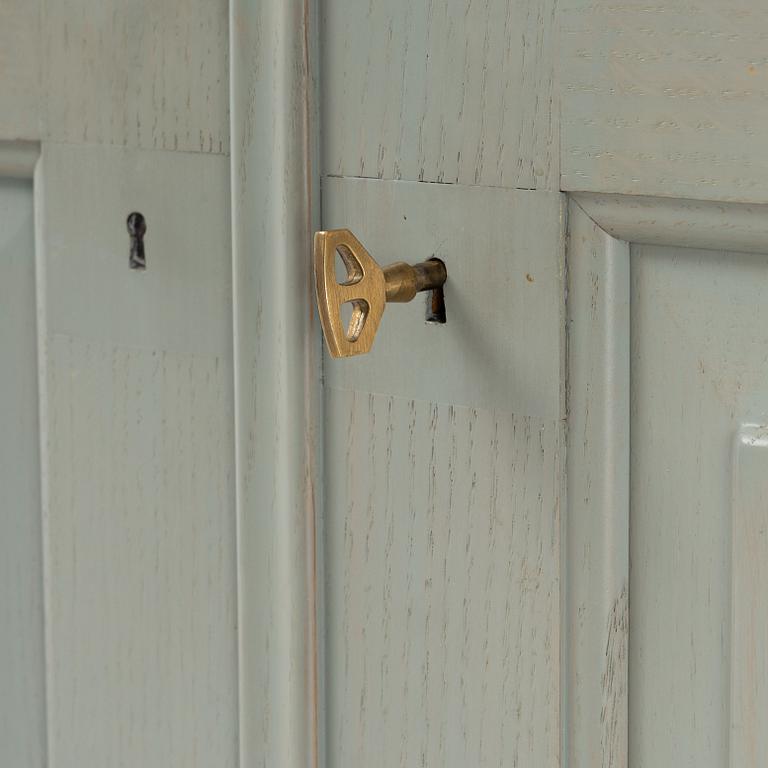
[(137, 227), (436, 304)]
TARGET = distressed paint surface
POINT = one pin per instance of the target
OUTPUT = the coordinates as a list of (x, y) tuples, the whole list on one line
[(139, 525), (441, 549), (136, 380), (138, 464), (139, 74), (504, 298), (699, 352), (664, 99), (749, 631), (22, 661), (451, 91)]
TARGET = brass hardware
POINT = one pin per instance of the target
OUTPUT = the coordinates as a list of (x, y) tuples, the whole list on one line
[(367, 288)]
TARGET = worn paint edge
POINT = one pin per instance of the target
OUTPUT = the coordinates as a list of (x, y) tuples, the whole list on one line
[(596, 630), (277, 359)]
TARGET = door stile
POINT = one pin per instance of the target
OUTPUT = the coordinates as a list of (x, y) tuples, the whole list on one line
[(596, 629), (277, 378)]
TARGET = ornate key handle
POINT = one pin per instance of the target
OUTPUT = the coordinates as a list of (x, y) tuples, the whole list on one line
[(367, 288)]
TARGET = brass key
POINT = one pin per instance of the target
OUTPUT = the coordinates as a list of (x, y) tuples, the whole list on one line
[(367, 288)]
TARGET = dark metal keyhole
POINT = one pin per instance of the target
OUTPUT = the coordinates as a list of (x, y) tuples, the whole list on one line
[(137, 227)]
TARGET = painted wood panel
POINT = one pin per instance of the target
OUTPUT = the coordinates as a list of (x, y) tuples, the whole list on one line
[(20, 70), (664, 98), (150, 75), (141, 74), (441, 551), (699, 353), (22, 653), (140, 538), (501, 345), (749, 632), (138, 464), (450, 91), (443, 455)]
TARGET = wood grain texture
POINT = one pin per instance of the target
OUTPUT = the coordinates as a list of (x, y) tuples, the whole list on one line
[(441, 546), (20, 70), (277, 379), (501, 346), (453, 91), (597, 521), (137, 461), (141, 605), (749, 627), (22, 652), (140, 74), (664, 98)]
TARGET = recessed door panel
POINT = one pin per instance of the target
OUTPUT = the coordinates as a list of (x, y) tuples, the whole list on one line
[(699, 401)]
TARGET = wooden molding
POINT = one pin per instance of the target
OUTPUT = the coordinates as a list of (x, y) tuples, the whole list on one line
[(18, 158), (677, 222), (277, 378), (596, 630)]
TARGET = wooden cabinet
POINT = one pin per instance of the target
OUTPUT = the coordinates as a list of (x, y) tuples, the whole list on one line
[(532, 535)]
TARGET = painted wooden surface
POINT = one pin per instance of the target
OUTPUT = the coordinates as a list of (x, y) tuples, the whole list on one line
[(685, 223), (277, 380), (140, 74), (138, 465), (749, 629), (664, 99), (22, 661), (596, 597), (451, 91), (442, 589), (20, 70), (443, 469), (699, 352), (503, 249)]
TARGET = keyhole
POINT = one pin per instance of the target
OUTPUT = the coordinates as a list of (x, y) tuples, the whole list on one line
[(137, 227)]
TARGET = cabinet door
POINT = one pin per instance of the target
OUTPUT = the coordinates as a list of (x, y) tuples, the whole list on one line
[(426, 575), (443, 447), (117, 516)]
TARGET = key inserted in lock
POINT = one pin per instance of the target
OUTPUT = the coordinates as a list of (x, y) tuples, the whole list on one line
[(367, 289)]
